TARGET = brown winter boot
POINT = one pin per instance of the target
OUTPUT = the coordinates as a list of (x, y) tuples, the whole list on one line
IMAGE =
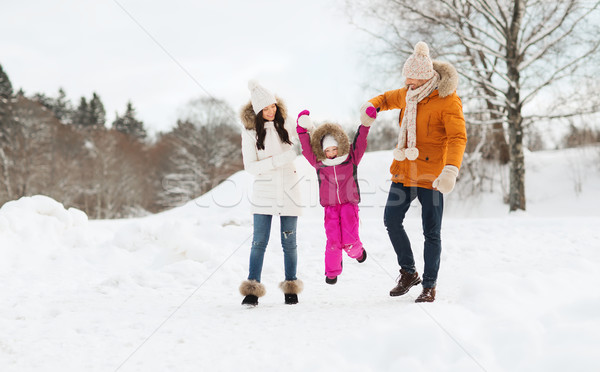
[(405, 282), (428, 295)]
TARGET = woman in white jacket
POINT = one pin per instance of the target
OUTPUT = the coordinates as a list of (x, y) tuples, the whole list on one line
[(268, 155)]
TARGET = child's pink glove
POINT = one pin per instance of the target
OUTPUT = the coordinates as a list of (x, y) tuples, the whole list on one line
[(368, 113), (304, 120)]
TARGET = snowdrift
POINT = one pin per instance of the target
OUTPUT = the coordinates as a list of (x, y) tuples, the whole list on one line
[(160, 293)]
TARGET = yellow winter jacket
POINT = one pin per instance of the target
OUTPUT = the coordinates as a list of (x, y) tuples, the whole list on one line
[(441, 131)]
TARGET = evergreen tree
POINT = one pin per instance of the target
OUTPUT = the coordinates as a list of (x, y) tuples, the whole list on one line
[(6, 99), (128, 123), (6, 95), (42, 99), (62, 107), (82, 114), (6, 89), (96, 111)]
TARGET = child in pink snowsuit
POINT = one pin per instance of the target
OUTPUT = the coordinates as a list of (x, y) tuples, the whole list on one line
[(328, 149)]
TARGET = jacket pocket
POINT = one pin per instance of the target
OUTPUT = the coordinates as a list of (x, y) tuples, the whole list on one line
[(430, 163), (431, 154)]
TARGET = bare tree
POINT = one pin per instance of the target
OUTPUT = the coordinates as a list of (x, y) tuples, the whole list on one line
[(7, 125), (66, 162), (30, 137), (205, 150), (217, 142), (116, 183), (184, 175), (577, 136), (40, 154), (508, 52)]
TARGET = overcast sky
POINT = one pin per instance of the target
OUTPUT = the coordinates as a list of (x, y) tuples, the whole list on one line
[(162, 54)]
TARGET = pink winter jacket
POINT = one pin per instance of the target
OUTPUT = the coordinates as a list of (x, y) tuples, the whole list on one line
[(338, 184)]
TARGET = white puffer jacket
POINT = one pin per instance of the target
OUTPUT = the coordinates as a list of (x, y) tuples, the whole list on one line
[(276, 190)]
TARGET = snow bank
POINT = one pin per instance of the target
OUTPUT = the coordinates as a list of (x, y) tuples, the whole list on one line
[(39, 216), (160, 292), (37, 232)]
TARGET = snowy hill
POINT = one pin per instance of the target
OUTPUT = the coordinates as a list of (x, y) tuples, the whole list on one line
[(160, 293)]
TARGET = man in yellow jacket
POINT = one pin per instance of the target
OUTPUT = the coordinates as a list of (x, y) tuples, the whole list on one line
[(429, 153)]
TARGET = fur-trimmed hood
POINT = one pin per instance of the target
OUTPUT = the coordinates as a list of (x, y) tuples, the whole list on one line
[(448, 78), (316, 140), (248, 116)]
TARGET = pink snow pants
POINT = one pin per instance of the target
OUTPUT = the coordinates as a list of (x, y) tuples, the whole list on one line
[(341, 228)]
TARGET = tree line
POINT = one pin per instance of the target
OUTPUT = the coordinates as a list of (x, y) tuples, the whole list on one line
[(50, 146), (69, 152)]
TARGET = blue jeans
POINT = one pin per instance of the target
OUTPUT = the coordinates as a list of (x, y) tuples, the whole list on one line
[(262, 230), (432, 205)]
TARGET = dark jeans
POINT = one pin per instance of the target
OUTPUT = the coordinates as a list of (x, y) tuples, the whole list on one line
[(262, 230), (432, 203)]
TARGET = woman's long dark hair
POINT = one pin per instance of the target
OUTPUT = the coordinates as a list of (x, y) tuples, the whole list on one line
[(279, 127)]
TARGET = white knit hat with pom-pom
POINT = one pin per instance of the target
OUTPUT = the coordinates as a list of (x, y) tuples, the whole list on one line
[(329, 141), (419, 65), (260, 96)]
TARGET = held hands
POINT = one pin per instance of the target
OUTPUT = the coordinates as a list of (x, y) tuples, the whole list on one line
[(368, 113), (304, 120), (446, 180)]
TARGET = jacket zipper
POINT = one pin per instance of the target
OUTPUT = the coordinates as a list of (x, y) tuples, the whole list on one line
[(279, 185), (337, 185)]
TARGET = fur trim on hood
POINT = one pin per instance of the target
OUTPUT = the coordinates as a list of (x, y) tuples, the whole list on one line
[(249, 117), (448, 78), (291, 286), (316, 139)]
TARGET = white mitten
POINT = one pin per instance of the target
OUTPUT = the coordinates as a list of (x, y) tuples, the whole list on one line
[(304, 120), (284, 158), (368, 114), (446, 180)]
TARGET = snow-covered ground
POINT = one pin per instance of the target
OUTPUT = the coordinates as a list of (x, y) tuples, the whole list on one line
[(516, 292)]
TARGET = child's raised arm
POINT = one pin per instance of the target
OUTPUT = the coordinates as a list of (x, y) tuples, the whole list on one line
[(368, 114), (304, 124)]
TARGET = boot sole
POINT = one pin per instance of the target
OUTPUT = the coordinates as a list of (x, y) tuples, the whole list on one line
[(363, 258), (419, 301), (250, 301), (331, 281), (293, 300), (396, 294)]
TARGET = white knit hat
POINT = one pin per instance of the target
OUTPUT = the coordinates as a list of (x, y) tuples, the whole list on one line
[(260, 96), (419, 65), (329, 141)]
